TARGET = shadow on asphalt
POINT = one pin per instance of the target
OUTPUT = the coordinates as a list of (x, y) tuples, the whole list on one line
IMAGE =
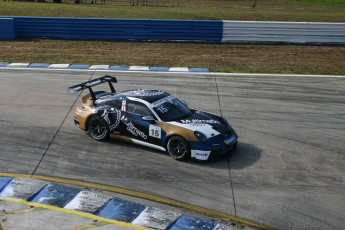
[(243, 156)]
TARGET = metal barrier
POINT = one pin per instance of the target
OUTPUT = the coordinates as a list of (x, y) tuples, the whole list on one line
[(171, 30), (286, 32), (7, 29), (119, 29)]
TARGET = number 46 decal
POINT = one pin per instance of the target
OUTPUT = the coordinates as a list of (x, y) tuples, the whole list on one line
[(155, 131)]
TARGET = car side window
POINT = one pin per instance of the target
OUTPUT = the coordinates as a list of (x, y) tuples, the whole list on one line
[(138, 109), (114, 104)]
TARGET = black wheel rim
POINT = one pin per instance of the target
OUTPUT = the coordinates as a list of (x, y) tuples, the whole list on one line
[(177, 148), (98, 130)]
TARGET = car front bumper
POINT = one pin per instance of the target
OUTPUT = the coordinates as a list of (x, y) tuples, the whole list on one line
[(226, 150), (213, 148)]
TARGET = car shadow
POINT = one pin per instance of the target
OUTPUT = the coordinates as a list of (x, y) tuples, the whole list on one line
[(243, 156)]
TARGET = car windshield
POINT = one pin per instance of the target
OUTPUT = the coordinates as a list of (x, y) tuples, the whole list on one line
[(171, 109)]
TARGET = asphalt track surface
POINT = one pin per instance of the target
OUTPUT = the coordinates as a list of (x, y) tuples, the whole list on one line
[(287, 172)]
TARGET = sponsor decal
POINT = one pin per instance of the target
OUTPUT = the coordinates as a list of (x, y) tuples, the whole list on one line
[(123, 106), (77, 88), (230, 139), (162, 101), (198, 121), (132, 129), (196, 125), (102, 107), (206, 129), (92, 83), (74, 90), (117, 122), (105, 115), (162, 109), (200, 154), (141, 93), (155, 131)]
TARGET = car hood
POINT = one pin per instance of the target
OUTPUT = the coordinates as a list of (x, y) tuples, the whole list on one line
[(207, 123)]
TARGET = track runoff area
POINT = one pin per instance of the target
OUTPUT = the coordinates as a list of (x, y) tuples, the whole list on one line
[(286, 173)]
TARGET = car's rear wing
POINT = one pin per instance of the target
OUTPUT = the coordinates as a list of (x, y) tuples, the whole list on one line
[(92, 83)]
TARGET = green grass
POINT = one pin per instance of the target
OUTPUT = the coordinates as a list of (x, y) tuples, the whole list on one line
[(327, 3), (110, 11)]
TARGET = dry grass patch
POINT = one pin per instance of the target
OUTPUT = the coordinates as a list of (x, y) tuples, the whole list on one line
[(217, 57)]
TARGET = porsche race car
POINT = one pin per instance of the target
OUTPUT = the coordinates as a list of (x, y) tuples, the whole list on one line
[(152, 118)]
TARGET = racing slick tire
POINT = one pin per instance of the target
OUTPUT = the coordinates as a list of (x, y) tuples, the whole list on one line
[(178, 148), (98, 128)]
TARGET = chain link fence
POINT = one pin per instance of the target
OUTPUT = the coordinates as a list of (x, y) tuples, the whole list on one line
[(236, 4)]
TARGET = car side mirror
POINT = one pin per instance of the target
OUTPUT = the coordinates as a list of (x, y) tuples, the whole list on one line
[(148, 118)]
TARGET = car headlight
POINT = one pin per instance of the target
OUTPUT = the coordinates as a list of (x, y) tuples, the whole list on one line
[(200, 136)]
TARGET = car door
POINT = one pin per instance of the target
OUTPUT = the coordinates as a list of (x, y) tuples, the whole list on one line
[(138, 128)]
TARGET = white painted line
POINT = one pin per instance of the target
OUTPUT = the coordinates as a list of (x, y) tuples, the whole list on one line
[(19, 64), (153, 73), (87, 201), (155, 218), (179, 69), (227, 227), (139, 68), (99, 67), (59, 66), (275, 75), (22, 188)]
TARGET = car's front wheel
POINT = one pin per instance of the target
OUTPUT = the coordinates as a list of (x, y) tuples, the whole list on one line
[(178, 148), (98, 128)]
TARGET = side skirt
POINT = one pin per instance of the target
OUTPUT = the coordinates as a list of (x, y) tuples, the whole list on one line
[(148, 145), (127, 139)]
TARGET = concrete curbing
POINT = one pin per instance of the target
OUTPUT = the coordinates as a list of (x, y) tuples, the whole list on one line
[(74, 200), (149, 69), (103, 67)]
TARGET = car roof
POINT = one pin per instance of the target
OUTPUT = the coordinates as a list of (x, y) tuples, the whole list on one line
[(149, 96)]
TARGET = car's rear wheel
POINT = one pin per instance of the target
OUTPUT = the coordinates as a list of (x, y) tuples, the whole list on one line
[(98, 128), (178, 148)]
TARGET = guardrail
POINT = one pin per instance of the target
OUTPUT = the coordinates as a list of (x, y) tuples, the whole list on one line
[(171, 30), (118, 29), (285, 32)]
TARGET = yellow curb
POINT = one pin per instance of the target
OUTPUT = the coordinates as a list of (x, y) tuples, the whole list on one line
[(27, 210), (88, 226), (164, 200), (79, 213)]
